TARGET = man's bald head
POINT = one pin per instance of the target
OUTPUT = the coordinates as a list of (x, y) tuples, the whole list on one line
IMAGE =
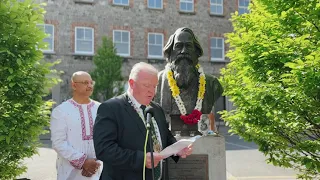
[(82, 84), (79, 75)]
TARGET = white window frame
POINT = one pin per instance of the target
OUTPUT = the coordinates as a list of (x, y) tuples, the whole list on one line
[(243, 7), (186, 1), (52, 37), (122, 4), (223, 50), (216, 4), (155, 56), (75, 41), (123, 55), (155, 7)]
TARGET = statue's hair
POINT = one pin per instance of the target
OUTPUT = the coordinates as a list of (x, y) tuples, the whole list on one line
[(168, 47), (142, 66)]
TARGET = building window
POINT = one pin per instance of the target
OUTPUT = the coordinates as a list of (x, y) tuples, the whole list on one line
[(49, 30), (155, 44), (216, 7), (243, 6), (217, 49), (186, 5), (155, 4), (121, 2), (121, 41), (84, 40)]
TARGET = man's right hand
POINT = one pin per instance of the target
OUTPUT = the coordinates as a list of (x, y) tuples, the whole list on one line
[(85, 173), (156, 159), (91, 166)]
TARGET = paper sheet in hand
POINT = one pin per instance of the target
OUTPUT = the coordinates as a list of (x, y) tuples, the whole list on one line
[(178, 146)]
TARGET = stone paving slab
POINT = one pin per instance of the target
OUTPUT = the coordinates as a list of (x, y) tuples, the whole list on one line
[(41, 166)]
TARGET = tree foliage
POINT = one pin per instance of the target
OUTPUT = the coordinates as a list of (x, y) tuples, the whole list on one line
[(24, 81), (107, 71), (274, 81)]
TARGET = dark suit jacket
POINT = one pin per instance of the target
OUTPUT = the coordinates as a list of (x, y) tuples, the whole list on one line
[(119, 135)]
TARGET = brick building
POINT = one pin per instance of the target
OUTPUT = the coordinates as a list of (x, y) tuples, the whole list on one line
[(138, 28)]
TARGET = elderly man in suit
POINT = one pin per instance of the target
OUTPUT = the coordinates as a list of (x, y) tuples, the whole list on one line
[(120, 130)]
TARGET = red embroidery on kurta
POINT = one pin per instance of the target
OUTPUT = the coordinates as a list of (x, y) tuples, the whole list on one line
[(83, 122), (77, 163)]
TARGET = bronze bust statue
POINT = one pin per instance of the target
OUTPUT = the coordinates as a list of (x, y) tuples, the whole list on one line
[(182, 52)]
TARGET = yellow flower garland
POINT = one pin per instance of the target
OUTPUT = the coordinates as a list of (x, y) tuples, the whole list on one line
[(176, 91)]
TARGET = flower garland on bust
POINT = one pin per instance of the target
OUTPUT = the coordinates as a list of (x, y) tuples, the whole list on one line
[(194, 117)]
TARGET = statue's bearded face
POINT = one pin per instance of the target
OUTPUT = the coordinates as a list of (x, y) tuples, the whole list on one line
[(184, 59)]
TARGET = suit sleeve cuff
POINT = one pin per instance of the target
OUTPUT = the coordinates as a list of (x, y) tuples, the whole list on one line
[(175, 158)]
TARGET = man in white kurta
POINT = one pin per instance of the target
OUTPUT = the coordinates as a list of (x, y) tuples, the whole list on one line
[(71, 134)]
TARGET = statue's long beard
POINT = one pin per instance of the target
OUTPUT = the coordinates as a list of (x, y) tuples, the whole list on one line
[(184, 72)]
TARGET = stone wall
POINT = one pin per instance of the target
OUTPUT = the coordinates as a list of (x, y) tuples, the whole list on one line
[(103, 16)]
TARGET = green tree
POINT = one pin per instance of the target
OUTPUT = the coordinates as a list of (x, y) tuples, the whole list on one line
[(274, 81), (107, 71), (25, 79)]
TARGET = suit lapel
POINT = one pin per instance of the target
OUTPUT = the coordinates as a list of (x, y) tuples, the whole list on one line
[(134, 115)]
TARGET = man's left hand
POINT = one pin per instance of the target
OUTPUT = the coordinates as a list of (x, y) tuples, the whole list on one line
[(186, 151)]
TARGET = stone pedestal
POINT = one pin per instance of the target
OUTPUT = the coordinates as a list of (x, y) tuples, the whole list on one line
[(207, 162)]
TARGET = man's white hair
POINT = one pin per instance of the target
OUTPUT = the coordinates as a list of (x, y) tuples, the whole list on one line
[(142, 66)]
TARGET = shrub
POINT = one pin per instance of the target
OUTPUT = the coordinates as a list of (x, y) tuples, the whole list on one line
[(25, 79), (274, 81)]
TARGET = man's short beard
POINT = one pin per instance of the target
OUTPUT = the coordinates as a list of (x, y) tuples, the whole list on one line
[(183, 70)]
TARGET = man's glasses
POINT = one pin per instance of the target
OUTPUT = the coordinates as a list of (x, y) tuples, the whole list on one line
[(87, 83)]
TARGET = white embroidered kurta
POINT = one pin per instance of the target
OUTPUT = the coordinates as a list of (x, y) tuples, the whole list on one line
[(71, 135)]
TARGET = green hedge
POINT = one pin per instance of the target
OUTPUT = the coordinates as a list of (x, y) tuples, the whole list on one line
[(25, 79), (274, 81)]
